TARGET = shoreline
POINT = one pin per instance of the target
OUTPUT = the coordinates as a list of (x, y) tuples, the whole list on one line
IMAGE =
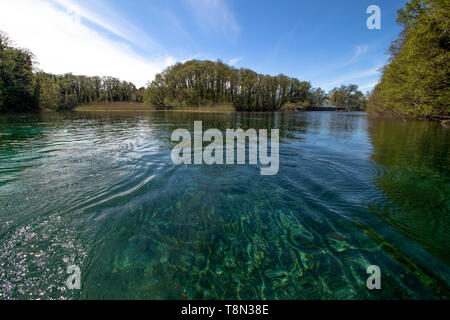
[(404, 117), (149, 108), (153, 110), (192, 109)]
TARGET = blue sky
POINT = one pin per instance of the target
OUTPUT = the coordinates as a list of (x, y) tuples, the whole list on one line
[(325, 42)]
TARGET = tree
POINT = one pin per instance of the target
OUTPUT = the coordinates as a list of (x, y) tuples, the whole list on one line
[(68, 91), (23, 90), (348, 96), (415, 82), (194, 83), (17, 91)]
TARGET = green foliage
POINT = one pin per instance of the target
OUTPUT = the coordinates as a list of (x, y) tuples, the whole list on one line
[(348, 96), (197, 83), (21, 90), (17, 92), (138, 95), (68, 91), (416, 81)]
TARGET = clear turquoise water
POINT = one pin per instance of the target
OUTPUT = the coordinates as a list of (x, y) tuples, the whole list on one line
[(99, 190)]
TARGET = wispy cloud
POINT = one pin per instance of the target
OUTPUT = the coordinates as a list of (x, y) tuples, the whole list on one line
[(215, 16), (176, 24), (347, 78), (236, 60), (63, 42), (360, 50), (332, 64), (109, 20), (369, 86)]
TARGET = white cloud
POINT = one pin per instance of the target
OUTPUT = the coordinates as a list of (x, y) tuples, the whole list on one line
[(176, 24), (62, 43), (109, 20), (354, 76), (359, 51), (236, 60), (368, 86), (214, 15)]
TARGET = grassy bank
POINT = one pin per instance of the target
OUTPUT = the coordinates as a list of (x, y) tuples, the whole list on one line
[(141, 107), (146, 107)]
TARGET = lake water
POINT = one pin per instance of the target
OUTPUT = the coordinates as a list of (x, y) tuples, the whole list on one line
[(99, 190)]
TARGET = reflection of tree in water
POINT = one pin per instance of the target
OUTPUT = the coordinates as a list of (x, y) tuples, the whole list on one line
[(414, 175)]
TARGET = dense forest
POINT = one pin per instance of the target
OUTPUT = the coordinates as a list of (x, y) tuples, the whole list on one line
[(23, 90), (416, 80), (17, 90), (196, 83), (68, 91)]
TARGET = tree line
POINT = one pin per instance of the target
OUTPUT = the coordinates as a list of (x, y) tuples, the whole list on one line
[(21, 89), (68, 91), (193, 83), (196, 83), (416, 80)]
